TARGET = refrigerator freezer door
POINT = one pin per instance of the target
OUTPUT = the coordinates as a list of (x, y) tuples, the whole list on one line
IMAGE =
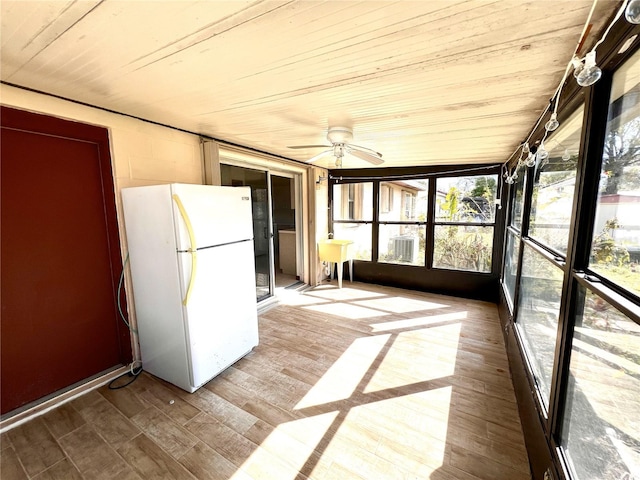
[(218, 215), (221, 315)]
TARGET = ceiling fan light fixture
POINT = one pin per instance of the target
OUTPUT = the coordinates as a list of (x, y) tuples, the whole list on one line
[(340, 138), (339, 135)]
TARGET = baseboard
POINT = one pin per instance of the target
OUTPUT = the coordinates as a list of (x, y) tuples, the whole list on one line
[(51, 403)]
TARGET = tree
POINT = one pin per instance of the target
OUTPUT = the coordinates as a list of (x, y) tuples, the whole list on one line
[(484, 187), (621, 150), (450, 204)]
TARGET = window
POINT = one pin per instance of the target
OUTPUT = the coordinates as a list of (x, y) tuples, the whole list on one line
[(398, 241), (554, 186), (349, 201), (518, 198), (615, 247), (408, 205), (577, 299), (537, 317), (386, 198), (352, 215), (601, 428), (509, 274), (465, 213)]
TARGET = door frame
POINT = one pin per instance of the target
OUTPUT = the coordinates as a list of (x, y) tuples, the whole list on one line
[(44, 124), (240, 158)]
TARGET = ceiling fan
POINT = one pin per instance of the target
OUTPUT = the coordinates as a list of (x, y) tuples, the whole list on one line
[(339, 137)]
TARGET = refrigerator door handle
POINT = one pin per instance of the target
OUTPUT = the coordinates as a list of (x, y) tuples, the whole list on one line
[(192, 250)]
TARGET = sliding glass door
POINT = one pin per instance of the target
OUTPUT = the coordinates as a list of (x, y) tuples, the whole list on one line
[(258, 180)]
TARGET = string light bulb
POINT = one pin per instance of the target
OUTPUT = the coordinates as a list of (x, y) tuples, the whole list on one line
[(510, 180), (553, 123), (632, 12), (542, 153), (531, 160), (566, 156), (591, 73)]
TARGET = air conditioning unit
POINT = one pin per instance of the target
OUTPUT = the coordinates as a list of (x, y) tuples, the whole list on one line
[(405, 249)]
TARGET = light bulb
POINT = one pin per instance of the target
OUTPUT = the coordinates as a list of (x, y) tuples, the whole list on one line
[(525, 148), (632, 12), (591, 73), (531, 160), (566, 156), (542, 152), (338, 162), (553, 123), (509, 180)]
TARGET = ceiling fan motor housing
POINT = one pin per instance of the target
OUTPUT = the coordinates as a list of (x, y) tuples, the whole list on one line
[(339, 135)]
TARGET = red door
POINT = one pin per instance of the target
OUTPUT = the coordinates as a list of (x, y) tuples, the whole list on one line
[(60, 258)]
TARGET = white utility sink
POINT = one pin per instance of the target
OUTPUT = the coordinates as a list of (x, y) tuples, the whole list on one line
[(337, 251)]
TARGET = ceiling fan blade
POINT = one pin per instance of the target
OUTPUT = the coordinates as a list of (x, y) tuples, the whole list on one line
[(320, 155), (375, 157), (309, 146), (365, 149)]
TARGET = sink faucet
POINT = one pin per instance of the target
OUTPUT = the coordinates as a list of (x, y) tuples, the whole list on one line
[(330, 235)]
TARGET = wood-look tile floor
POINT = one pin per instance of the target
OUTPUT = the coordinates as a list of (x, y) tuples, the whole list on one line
[(365, 382)]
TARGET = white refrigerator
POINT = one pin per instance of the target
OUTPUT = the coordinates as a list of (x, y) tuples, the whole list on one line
[(192, 266)]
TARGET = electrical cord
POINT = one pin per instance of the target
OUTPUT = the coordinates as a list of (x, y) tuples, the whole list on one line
[(553, 105), (133, 373), (120, 284)]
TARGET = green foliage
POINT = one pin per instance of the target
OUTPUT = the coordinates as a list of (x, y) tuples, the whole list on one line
[(451, 204), (485, 187), (462, 250), (458, 248), (605, 250)]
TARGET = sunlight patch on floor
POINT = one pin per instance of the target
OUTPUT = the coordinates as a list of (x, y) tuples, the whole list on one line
[(346, 310), (342, 378), (418, 321), (333, 293), (401, 304), (292, 444), (399, 366), (386, 430), (297, 300)]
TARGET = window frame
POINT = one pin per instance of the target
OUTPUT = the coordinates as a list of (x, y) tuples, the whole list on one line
[(546, 441), (460, 223), (465, 283)]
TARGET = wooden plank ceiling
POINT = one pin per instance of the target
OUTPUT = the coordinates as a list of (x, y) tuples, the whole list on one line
[(424, 82)]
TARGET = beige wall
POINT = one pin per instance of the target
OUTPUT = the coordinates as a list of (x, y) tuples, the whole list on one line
[(146, 154), (141, 153)]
